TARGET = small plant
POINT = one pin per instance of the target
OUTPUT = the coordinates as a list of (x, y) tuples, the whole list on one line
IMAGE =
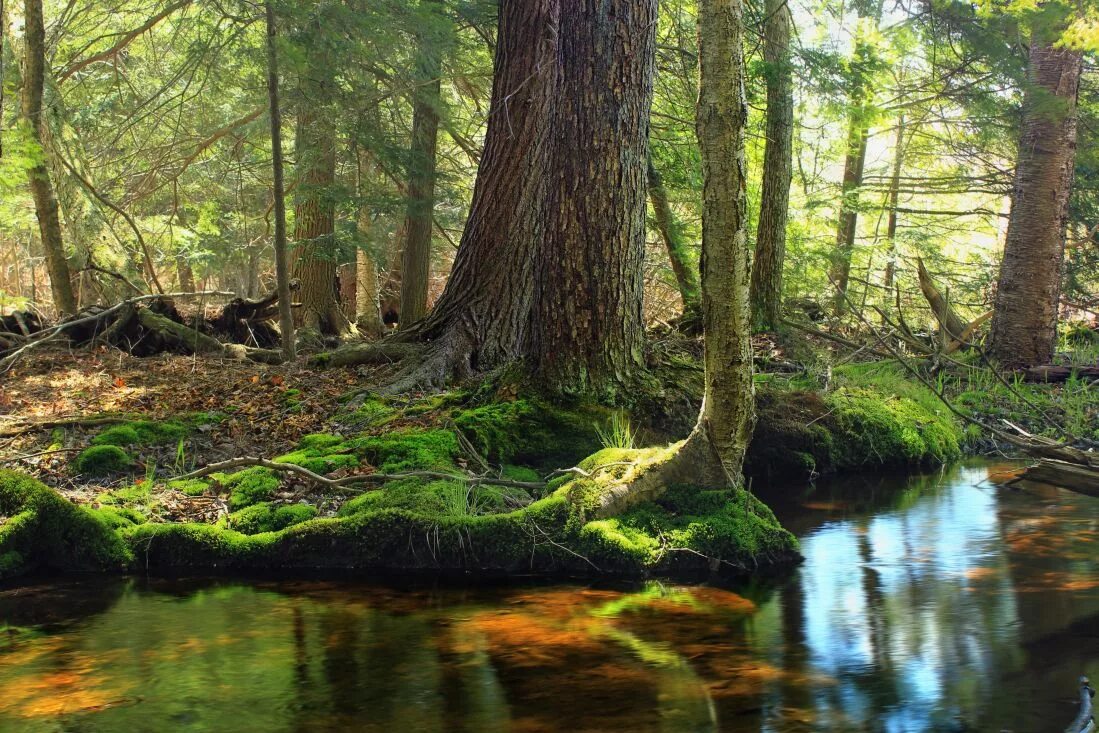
[(460, 499), (618, 433), (181, 457)]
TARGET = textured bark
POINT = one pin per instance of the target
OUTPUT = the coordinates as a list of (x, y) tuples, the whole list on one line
[(727, 416), (587, 325), (686, 277), (416, 256), (480, 320), (282, 265), (766, 285), (1024, 326), (45, 200), (368, 314), (314, 211), (894, 198)]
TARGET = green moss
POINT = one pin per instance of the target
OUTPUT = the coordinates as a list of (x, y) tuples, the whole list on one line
[(118, 517), (141, 433), (267, 517), (409, 450), (135, 494), (101, 460), (321, 453), (250, 486), (531, 432), (519, 473), (45, 530), (190, 486)]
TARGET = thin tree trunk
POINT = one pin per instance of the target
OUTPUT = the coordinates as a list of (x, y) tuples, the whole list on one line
[(587, 322), (894, 198), (45, 200), (368, 315), (727, 416), (416, 258), (858, 130), (1024, 324), (686, 276), (766, 286), (282, 265), (314, 260), (480, 321)]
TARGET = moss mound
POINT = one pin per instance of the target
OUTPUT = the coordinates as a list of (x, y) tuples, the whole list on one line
[(411, 449), (267, 517), (141, 433), (248, 487), (321, 453), (102, 460), (531, 432), (46, 531)]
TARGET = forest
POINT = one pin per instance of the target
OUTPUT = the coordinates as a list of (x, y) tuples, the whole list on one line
[(661, 293)]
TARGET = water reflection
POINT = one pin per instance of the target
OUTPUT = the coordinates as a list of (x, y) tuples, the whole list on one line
[(937, 603)]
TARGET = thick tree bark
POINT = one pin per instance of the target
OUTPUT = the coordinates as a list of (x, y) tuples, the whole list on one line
[(686, 276), (587, 324), (45, 200), (481, 319), (894, 198), (314, 260), (766, 286), (1024, 324), (416, 256), (282, 265)]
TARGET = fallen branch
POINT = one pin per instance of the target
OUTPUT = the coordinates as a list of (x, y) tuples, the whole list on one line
[(362, 478), (23, 427), (1084, 722)]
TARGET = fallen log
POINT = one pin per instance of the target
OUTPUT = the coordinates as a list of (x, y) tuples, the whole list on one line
[(1072, 476), (1085, 721), (1054, 373), (172, 336)]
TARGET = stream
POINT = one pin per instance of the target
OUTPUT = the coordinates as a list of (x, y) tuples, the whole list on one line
[(939, 602)]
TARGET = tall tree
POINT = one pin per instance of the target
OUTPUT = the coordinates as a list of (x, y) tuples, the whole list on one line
[(1024, 324), (481, 319), (38, 175), (587, 324), (282, 265), (860, 109), (686, 276), (368, 315), (426, 102), (766, 287), (314, 253), (893, 200)]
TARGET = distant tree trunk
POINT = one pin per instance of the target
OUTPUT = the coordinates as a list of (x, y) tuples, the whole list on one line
[(313, 255), (185, 274), (282, 265), (766, 288), (480, 320), (858, 130), (416, 258), (894, 198), (1024, 324), (45, 201), (368, 315), (587, 324), (686, 276)]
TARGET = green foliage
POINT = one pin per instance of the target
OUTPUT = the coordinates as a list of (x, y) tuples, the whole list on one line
[(46, 531), (101, 460), (118, 517), (618, 432), (530, 432), (190, 486)]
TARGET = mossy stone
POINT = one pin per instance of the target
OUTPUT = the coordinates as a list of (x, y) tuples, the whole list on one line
[(142, 432)]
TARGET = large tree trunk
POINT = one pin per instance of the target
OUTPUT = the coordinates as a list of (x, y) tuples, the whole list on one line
[(587, 323), (480, 320), (313, 255), (686, 276), (416, 257), (766, 287), (282, 265), (1024, 324), (45, 201)]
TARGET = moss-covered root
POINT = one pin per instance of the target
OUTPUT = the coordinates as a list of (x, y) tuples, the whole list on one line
[(39, 529)]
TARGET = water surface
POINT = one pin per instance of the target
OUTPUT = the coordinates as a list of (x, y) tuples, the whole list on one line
[(935, 603)]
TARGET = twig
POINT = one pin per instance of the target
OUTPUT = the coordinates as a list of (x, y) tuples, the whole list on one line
[(25, 456)]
